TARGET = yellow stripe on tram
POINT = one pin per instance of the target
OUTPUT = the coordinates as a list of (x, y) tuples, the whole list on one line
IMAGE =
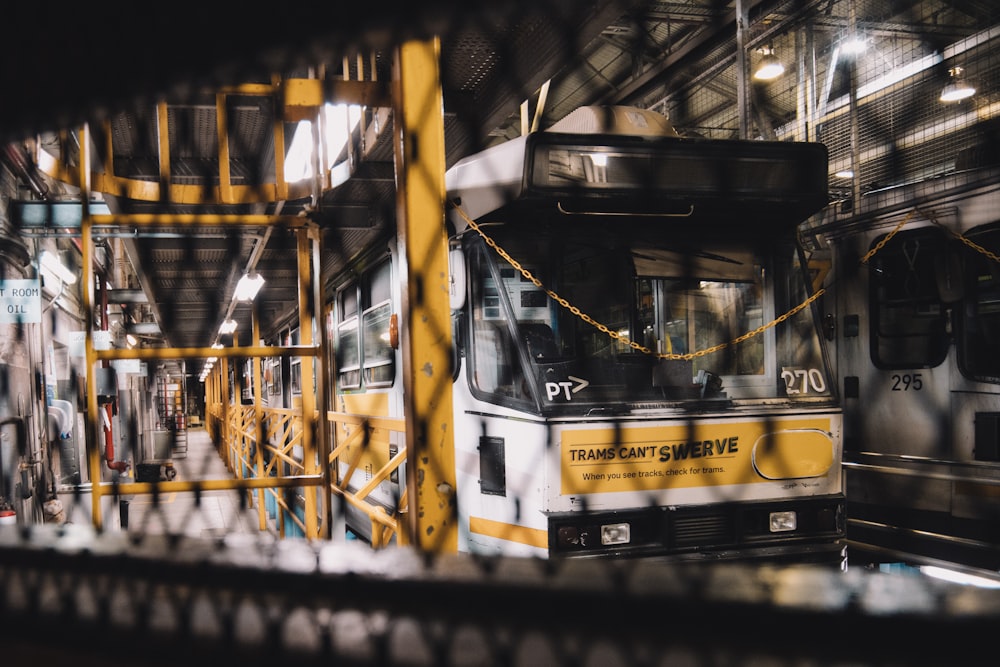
[(508, 531)]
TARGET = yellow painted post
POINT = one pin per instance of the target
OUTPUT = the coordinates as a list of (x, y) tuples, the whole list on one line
[(258, 417), (323, 430), (233, 437), (224, 416), (210, 381), (307, 310), (222, 128), (418, 112), (163, 144), (213, 380)]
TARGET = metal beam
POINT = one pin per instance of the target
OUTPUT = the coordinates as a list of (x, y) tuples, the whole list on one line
[(426, 323)]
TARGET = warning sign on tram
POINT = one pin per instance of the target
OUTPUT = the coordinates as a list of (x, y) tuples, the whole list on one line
[(20, 302)]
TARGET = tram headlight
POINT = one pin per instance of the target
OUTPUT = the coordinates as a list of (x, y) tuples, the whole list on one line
[(616, 533), (782, 522)]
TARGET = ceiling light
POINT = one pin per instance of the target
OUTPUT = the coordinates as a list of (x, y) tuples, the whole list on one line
[(227, 327), (248, 286), (854, 45), (770, 67), (53, 266), (957, 88), (132, 342)]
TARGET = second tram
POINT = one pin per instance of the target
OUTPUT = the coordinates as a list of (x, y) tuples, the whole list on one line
[(914, 322)]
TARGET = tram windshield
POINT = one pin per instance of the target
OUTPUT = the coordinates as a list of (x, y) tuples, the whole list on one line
[(615, 323)]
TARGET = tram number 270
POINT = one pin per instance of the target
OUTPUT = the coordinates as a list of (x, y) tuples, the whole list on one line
[(803, 380)]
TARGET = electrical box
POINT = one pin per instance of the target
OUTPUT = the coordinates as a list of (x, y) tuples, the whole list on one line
[(107, 385), (987, 436)]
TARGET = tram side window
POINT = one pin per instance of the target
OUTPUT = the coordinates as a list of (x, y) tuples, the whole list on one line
[(295, 365), (365, 355), (378, 360), (348, 353), (908, 319), (979, 339)]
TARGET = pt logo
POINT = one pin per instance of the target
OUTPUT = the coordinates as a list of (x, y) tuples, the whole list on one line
[(567, 387)]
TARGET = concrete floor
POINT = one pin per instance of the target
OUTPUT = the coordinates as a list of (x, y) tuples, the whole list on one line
[(214, 514)]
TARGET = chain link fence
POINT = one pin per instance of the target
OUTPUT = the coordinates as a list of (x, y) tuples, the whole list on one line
[(153, 515)]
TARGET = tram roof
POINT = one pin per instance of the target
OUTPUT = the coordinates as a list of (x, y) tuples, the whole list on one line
[(746, 188)]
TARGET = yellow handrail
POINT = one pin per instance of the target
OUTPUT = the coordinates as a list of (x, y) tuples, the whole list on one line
[(383, 523)]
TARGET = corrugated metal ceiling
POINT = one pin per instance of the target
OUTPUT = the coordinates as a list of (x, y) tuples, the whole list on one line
[(676, 57)]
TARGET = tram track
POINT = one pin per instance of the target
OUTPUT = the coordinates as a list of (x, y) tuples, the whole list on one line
[(871, 544)]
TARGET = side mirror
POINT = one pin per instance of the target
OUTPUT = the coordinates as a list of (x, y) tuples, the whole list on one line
[(456, 278)]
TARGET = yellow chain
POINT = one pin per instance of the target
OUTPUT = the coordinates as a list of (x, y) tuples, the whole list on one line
[(614, 334), (972, 244), (978, 248), (933, 219), (881, 244)]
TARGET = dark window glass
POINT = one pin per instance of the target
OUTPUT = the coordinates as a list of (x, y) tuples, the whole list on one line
[(979, 340), (908, 319), (348, 353)]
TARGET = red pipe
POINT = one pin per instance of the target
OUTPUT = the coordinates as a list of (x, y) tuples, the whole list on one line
[(109, 440), (109, 446)]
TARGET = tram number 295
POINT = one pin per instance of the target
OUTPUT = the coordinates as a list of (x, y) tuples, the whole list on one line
[(907, 382), (803, 380)]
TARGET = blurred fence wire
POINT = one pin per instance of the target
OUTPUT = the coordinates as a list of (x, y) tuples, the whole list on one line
[(153, 515)]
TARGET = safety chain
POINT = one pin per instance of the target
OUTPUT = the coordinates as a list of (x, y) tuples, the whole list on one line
[(933, 219), (614, 334), (978, 248), (972, 244), (881, 244)]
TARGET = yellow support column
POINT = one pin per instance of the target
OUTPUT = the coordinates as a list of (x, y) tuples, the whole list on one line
[(224, 444), (258, 418), (307, 318), (426, 327), (233, 436), (323, 430)]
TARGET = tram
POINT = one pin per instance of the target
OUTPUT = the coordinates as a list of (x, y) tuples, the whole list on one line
[(913, 301), (638, 367)]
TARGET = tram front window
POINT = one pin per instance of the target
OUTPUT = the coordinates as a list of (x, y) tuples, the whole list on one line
[(636, 323)]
